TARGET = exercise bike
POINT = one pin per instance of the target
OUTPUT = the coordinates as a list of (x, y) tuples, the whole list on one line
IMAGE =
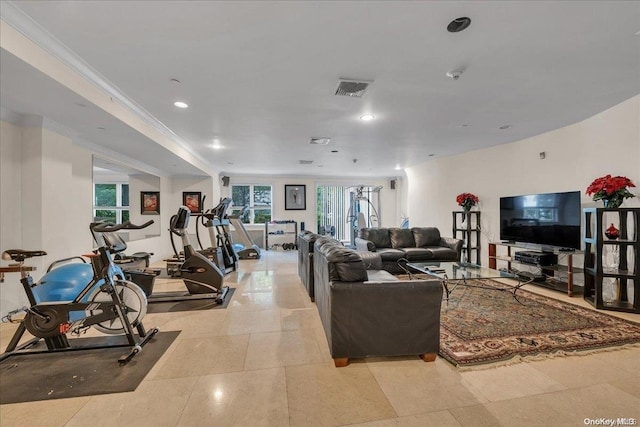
[(108, 302), (202, 278)]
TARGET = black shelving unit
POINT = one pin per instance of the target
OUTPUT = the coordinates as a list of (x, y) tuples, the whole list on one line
[(282, 233), (627, 220), (467, 226), (558, 277)]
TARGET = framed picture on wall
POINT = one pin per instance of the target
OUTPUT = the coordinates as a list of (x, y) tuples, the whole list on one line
[(150, 202), (295, 197), (192, 200)]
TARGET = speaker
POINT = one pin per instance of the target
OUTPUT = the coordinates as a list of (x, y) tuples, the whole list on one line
[(225, 181), (392, 184)]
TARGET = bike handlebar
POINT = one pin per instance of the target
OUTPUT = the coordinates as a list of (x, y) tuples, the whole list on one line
[(102, 227)]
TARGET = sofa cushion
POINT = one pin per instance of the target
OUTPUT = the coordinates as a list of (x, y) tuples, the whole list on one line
[(371, 260), (390, 255), (426, 236), (418, 254), (381, 276), (378, 236), (442, 253), (401, 238)]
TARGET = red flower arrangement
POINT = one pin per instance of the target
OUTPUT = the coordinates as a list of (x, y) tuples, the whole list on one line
[(467, 200), (612, 190)]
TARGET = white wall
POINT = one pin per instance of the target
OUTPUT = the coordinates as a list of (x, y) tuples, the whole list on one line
[(51, 186), (390, 199), (608, 143), (10, 186)]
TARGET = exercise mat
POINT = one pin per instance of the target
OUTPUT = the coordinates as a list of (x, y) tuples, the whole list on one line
[(188, 305), (32, 377)]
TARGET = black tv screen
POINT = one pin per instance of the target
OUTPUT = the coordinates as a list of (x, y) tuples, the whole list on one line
[(551, 219)]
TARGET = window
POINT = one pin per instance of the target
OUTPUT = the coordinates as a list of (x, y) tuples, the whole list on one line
[(258, 200), (111, 202), (540, 207)]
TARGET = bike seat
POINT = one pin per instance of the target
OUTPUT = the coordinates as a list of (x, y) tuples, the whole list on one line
[(20, 255)]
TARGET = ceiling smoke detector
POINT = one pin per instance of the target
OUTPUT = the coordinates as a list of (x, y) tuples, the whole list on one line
[(319, 141), (352, 88)]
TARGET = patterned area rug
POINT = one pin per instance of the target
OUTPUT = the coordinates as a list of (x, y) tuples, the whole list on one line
[(481, 326)]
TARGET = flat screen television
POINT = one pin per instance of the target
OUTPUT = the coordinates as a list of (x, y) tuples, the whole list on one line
[(551, 219)]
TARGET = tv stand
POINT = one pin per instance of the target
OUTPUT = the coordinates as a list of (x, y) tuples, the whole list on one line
[(548, 270)]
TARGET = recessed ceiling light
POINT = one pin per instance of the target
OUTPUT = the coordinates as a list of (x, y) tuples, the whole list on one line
[(319, 140), (367, 117), (398, 167), (216, 144), (503, 127), (181, 104)]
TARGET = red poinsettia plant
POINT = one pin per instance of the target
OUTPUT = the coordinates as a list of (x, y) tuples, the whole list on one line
[(467, 200), (611, 189)]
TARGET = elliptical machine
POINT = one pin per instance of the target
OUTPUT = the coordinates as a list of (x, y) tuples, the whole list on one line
[(202, 278), (220, 251)]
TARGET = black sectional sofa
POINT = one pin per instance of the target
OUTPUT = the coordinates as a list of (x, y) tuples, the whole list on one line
[(366, 311), (306, 239), (415, 244)]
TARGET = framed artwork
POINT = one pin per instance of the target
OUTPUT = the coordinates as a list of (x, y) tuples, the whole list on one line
[(150, 202), (295, 197), (192, 200)]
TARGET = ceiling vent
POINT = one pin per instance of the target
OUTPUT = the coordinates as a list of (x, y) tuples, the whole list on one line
[(319, 141), (306, 162), (352, 88)]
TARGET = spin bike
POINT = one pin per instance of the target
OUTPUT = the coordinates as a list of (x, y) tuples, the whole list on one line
[(109, 303), (202, 278)]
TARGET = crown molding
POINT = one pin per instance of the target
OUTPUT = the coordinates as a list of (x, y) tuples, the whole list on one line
[(11, 14)]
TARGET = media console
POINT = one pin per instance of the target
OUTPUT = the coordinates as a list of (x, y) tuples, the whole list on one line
[(544, 258)]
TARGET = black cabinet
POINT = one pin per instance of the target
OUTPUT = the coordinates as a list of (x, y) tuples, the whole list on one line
[(466, 226), (612, 266)]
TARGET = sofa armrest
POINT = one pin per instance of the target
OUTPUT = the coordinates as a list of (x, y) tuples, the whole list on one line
[(451, 243), (363, 245), (371, 260)]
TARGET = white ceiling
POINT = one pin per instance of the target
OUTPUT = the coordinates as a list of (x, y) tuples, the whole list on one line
[(261, 76)]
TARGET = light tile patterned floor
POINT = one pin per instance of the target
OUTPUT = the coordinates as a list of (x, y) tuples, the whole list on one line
[(264, 361)]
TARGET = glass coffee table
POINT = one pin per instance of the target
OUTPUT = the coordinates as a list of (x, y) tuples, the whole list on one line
[(453, 274)]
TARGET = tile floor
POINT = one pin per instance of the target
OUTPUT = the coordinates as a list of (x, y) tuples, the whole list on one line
[(264, 361)]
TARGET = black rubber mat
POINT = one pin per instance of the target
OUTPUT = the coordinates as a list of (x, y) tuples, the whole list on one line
[(31, 377), (188, 305)]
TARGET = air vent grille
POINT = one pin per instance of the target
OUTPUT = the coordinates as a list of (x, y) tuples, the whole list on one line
[(319, 141), (306, 162), (352, 88)]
